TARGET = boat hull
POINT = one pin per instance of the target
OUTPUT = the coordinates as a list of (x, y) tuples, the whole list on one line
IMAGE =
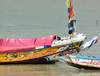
[(82, 62), (82, 66), (35, 56), (29, 61)]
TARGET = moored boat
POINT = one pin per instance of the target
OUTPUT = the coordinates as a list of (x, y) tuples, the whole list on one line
[(85, 62), (36, 50)]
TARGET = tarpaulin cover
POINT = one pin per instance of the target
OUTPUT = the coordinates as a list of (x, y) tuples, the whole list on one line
[(23, 44)]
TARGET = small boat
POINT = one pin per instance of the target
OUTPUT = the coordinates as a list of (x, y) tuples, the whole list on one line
[(36, 50), (85, 62)]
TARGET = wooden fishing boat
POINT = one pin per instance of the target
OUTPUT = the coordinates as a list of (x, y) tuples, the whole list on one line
[(36, 50), (86, 62)]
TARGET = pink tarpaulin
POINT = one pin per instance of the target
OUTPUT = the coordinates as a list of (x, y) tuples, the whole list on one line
[(14, 45)]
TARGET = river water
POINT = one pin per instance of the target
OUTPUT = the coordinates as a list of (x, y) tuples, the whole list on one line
[(37, 18)]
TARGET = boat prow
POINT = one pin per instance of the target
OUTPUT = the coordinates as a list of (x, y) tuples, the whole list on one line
[(86, 62)]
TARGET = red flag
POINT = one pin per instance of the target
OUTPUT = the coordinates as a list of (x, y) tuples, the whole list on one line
[(71, 8)]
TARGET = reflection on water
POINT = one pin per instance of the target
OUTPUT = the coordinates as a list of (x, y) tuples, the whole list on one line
[(35, 70), (59, 69), (87, 73)]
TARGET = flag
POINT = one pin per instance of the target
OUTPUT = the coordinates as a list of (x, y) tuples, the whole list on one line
[(71, 8), (69, 4)]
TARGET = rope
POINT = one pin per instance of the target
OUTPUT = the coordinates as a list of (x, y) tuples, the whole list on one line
[(80, 47)]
